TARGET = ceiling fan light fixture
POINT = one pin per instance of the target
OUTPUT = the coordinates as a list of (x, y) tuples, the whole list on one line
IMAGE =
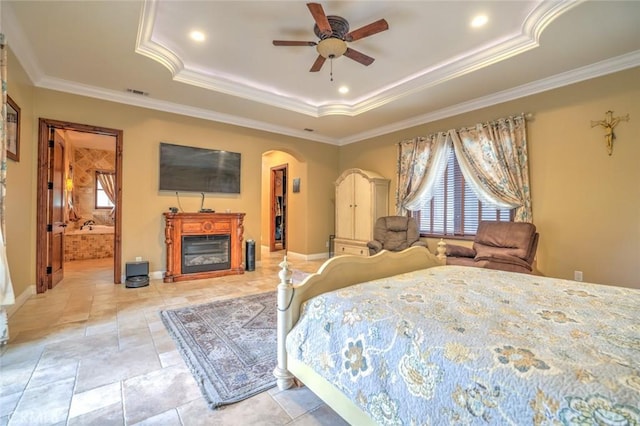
[(331, 47)]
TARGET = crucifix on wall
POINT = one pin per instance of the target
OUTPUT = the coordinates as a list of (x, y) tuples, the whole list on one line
[(608, 124)]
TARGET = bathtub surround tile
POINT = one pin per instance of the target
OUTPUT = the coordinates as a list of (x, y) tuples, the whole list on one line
[(126, 363), (79, 245)]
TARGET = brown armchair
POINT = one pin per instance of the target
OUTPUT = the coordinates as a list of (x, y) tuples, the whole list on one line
[(394, 233), (508, 246)]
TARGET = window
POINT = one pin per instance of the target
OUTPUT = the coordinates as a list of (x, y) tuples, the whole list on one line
[(102, 200), (455, 209)]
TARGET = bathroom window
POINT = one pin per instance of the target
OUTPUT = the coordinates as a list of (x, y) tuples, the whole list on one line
[(105, 189)]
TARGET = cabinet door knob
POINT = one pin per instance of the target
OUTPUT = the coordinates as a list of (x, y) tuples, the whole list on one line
[(342, 248)]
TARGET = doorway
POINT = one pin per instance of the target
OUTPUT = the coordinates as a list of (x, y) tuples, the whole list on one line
[(52, 199), (278, 220)]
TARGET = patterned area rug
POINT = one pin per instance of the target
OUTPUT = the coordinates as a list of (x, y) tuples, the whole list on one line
[(229, 345)]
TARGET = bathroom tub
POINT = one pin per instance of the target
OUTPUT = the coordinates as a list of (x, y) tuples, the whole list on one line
[(91, 242)]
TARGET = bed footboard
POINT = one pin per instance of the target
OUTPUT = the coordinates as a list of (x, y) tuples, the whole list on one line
[(336, 273)]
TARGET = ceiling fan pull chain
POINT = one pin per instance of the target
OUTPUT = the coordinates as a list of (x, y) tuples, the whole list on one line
[(331, 63)]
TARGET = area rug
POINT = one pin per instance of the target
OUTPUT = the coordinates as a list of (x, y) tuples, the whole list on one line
[(229, 345)]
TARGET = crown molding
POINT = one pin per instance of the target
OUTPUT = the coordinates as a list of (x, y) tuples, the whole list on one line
[(533, 26), (599, 69), (17, 41), (170, 107), (24, 54)]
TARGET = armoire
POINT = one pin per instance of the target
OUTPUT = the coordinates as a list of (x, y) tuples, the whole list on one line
[(361, 198)]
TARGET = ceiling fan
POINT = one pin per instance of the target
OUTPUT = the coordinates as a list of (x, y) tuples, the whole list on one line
[(333, 32)]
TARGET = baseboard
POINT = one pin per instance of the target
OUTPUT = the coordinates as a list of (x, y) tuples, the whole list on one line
[(156, 275), (293, 254), (313, 256), (20, 300)]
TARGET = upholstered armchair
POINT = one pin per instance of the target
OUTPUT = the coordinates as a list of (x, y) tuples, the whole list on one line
[(394, 233), (508, 246)]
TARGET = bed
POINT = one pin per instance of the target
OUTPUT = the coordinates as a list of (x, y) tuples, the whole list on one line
[(398, 338)]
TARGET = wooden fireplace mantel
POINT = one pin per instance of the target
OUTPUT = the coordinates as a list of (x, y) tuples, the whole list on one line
[(178, 225)]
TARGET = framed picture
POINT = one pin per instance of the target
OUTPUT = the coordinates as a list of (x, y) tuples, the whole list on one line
[(296, 184), (13, 130)]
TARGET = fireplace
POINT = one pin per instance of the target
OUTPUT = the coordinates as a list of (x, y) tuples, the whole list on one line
[(203, 245), (203, 253)]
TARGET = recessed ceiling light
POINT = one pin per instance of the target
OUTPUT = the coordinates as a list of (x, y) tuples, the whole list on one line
[(479, 21), (197, 35), (343, 89)]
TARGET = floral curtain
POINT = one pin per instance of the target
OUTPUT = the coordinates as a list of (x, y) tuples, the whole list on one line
[(494, 161), (421, 162), (108, 182), (492, 156), (6, 288)]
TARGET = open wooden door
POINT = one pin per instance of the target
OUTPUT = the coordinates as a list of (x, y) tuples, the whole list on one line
[(278, 233), (50, 200), (57, 225)]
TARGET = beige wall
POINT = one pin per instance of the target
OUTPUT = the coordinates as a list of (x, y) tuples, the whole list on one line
[(586, 204), (20, 210), (143, 204)]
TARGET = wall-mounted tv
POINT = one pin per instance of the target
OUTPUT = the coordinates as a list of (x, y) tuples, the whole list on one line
[(190, 169)]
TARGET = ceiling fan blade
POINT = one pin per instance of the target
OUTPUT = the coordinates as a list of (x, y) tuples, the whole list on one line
[(293, 43), (367, 30), (358, 57), (319, 16), (318, 64)]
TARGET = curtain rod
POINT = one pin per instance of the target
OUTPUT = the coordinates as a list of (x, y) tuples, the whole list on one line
[(528, 116)]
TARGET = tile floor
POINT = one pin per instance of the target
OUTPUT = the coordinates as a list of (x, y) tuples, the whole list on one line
[(90, 352)]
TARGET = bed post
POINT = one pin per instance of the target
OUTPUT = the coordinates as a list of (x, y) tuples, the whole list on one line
[(285, 294)]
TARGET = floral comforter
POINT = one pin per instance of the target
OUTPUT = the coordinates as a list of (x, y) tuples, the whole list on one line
[(459, 345)]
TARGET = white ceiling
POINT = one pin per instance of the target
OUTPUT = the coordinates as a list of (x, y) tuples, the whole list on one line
[(430, 64)]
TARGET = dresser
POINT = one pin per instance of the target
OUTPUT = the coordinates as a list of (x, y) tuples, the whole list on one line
[(361, 198)]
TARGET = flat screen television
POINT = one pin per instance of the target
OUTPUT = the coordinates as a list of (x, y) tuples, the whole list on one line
[(190, 169)]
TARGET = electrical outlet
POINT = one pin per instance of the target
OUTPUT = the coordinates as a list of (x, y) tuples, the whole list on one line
[(138, 258), (577, 275), (326, 243)]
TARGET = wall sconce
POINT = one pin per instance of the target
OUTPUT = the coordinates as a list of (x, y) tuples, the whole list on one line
[(69, 184)]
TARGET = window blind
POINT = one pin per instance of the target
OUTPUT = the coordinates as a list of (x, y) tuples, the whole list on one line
[(455, 208)]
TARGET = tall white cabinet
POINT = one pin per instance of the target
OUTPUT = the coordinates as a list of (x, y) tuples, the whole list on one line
[(361, 198)]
